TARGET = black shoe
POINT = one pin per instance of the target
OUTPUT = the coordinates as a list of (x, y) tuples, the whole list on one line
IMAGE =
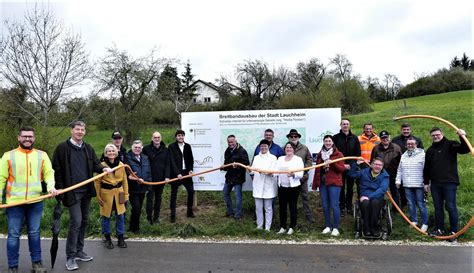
[(173, 218), (435, 232), (454, 239), (108, 242), (121, 242), (190, 214), (229, 215), (311, 219)]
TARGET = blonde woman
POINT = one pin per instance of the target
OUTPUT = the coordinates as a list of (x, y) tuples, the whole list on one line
[(112, 193)]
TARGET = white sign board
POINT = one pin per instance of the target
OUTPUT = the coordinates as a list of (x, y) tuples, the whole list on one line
[(207, 133)]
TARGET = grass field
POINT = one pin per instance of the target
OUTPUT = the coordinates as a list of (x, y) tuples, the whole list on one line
[(456, 107)]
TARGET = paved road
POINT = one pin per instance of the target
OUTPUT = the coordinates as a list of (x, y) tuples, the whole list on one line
[(211, 258)]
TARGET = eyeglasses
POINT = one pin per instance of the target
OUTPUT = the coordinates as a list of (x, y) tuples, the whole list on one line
[(294, 137), (27, 137)]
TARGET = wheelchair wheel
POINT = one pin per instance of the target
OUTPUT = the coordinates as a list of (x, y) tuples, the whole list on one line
[(357, 221), (389, 221)]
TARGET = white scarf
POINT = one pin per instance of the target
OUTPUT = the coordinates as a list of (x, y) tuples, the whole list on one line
[(326, 154)]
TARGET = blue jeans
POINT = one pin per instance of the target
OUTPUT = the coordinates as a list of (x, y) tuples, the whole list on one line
[(119, 224), (330, 200), (238, 199), (415, 199), (445, 195), (16, 217)]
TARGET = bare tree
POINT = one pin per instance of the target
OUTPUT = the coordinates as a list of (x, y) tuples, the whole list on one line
[(310, 74), (283, 81), (128, 80), (342, 67), (42, 58), (254, 79), (392, 86)]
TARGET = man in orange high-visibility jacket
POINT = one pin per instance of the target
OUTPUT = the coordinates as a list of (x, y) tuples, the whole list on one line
[(21, 172), (368, 140)]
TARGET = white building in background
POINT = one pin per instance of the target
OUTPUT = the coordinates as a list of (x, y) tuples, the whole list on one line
[(206, 92)]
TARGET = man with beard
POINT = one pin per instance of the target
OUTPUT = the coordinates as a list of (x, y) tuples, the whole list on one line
[(405, 134), (21, 175)]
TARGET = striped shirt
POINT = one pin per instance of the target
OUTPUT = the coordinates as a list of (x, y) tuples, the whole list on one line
[(410, 169)]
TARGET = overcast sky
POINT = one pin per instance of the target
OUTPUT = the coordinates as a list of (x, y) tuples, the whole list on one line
[(404, 38)]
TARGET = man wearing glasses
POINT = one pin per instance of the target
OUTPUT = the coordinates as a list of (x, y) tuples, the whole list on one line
[(21, 175), (303, 152), (441, 175)]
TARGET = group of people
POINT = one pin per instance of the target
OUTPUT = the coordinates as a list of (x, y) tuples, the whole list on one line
[(401, 164)]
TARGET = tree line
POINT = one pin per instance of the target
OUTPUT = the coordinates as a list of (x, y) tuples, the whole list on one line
[(43, 65)]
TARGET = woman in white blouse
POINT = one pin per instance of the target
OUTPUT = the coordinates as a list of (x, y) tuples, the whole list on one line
[(289, 186), (264, 185)]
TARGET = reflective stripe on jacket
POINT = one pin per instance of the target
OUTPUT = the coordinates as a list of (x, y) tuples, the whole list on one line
[(367, 144), (21, 174)]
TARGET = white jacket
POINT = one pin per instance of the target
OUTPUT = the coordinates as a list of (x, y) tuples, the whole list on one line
[(295, 163), (410, 169), (264, 185)]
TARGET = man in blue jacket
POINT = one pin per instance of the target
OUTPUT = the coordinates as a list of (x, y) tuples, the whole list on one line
[(373, 186)]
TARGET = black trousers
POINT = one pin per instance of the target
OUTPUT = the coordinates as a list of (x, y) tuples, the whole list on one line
[(347, 191), (153, 202), (397, 194), (136, 201), (370, 213), (288, 197), (188, 184)]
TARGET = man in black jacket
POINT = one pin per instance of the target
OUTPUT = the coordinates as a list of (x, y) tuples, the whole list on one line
[(181, 164), (348, 144), (441, 171), (405, 133), (75, 161), (117, 140), (159, 160), (235, 176)]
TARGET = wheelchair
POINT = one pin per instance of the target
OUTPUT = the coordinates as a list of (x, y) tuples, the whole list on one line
[(384, 222)]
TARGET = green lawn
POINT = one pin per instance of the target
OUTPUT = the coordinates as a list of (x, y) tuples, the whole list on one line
[(456, 107)]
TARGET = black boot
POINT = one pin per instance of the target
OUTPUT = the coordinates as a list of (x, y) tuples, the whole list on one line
[(190, 213), (121, 242), (108, 242)]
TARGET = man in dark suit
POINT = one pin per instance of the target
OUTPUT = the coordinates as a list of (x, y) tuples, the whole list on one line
[(181, 164)]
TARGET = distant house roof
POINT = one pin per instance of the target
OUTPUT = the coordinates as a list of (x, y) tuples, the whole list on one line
[(210, 85)]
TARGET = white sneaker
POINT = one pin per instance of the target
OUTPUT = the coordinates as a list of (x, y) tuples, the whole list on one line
[(424, 228), (415, 223), (326, 230), (335, 232), (281, 231), (259, 227), (290, 231)]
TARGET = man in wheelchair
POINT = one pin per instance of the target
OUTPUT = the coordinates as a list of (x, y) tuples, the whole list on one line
[(374, 183)]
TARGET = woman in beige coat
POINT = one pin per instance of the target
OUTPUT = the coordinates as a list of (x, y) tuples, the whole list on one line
[(112, 193)]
